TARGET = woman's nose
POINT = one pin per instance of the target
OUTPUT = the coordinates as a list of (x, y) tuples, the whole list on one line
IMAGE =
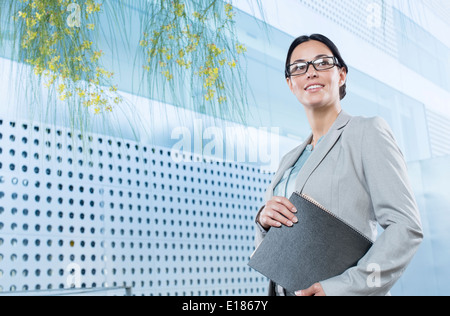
[(311, 73)]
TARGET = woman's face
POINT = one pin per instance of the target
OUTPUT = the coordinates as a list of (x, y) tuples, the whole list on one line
[(326, 83)]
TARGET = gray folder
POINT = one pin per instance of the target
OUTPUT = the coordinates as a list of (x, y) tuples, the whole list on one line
[(320, 246)]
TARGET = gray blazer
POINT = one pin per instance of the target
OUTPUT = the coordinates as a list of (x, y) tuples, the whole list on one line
[(358, 172)]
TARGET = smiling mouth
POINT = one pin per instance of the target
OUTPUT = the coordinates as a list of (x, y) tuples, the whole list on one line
[(314, 87)]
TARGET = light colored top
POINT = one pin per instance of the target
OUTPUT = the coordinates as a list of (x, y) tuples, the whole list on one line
[(286, 186)]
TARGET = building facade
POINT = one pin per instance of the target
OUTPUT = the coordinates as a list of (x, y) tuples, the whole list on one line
[(106, 210)]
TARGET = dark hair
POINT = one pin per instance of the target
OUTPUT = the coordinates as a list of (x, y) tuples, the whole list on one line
[(325, 40)]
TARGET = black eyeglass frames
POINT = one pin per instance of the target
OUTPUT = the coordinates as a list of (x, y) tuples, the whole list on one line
[(319, 64)]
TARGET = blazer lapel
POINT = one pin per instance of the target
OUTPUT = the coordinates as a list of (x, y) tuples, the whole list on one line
[(287, 163), (321, 150), (314, 160)]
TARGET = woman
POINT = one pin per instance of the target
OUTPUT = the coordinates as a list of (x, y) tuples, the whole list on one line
[(350, 165)]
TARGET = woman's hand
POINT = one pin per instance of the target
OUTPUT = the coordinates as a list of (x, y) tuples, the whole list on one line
[(314, 290), (277, 212)]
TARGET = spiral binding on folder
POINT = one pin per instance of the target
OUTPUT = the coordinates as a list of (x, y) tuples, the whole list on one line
[(310, 199)]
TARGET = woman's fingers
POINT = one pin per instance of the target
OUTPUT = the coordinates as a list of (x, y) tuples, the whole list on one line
[(282, 215), (314, 290), (278, 211), (267, 222), (286, 203)]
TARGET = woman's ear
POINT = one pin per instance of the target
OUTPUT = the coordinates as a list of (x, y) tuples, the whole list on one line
[(342, 77), (289, 82)]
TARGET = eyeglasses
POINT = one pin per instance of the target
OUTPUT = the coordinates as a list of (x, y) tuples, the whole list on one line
[(320, 64)]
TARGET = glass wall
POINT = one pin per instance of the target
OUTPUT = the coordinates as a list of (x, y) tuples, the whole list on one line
[(421, 51), (429, 271), (275, 105), (128, 213), (406, 116)]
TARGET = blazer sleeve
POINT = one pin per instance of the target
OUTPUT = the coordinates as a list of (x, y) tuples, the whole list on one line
[(260, 231), (396, 211)]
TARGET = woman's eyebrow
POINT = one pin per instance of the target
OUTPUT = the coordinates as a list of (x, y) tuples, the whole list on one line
[(318, 56)]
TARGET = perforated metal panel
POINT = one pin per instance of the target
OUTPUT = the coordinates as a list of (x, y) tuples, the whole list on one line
[(103, 212)]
